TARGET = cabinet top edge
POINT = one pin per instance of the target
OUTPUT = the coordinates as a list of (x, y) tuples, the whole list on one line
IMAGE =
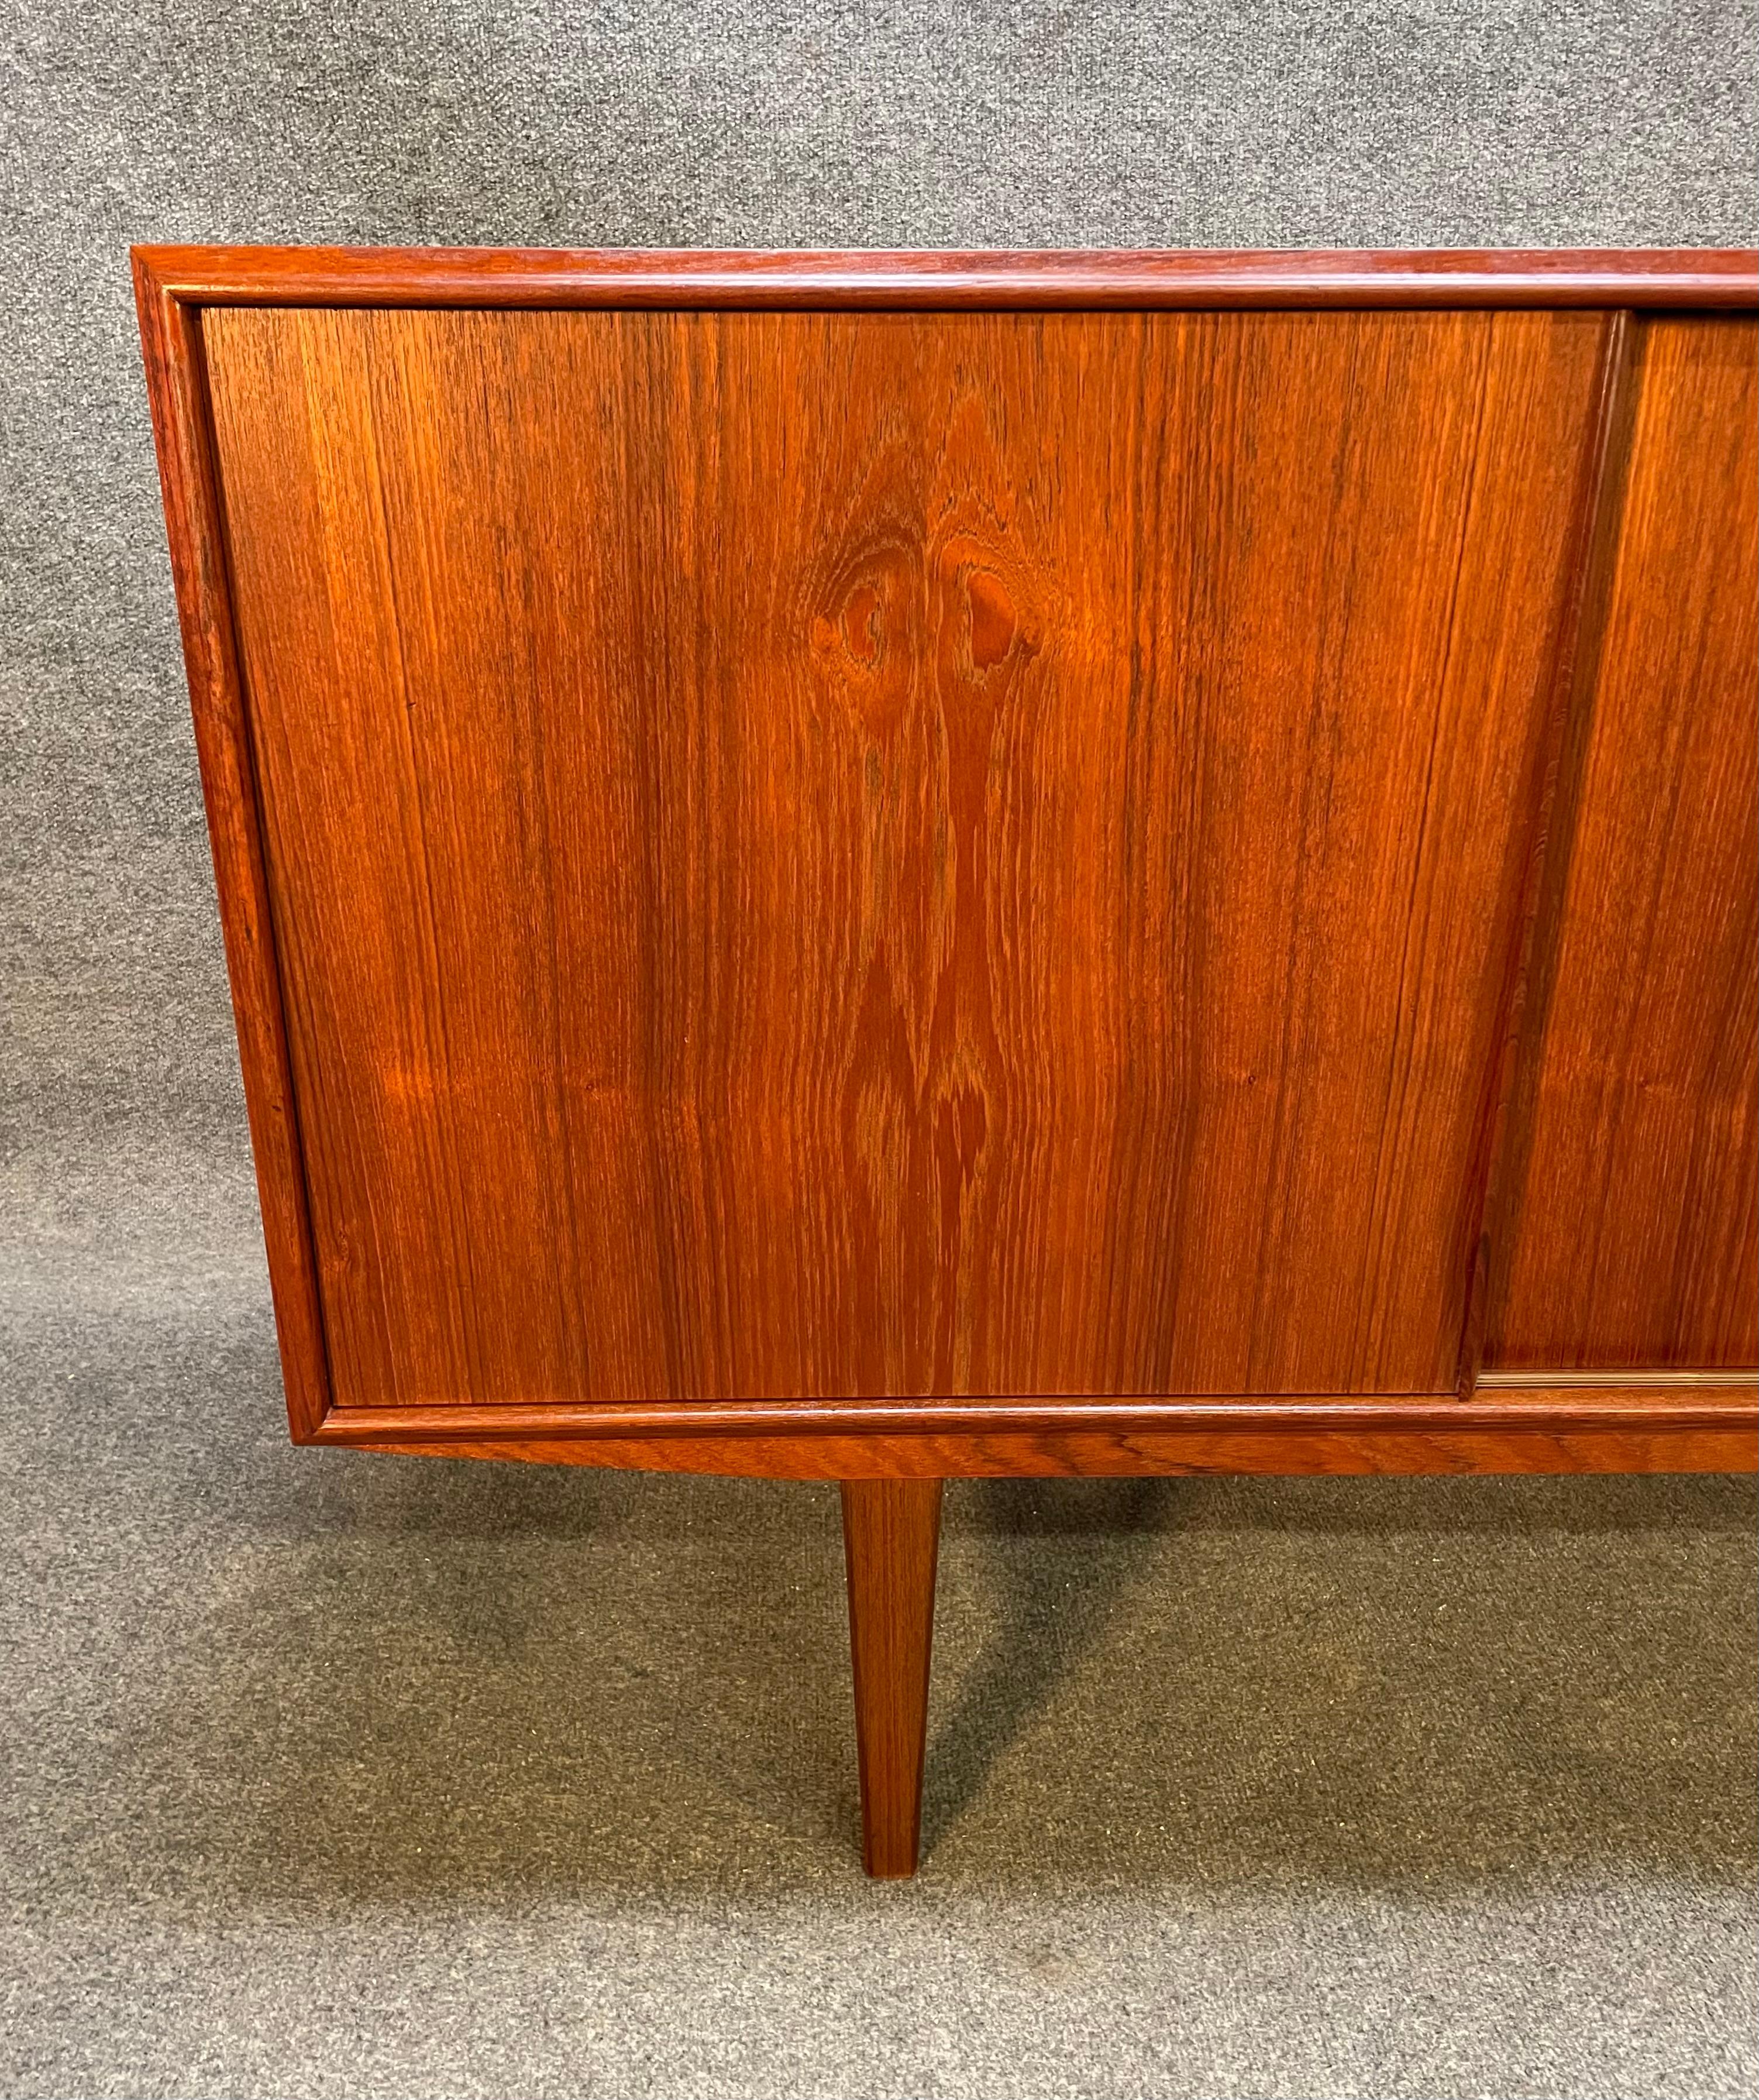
[(1704, 279)]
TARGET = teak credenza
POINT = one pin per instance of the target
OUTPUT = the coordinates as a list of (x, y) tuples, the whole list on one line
[(881, 866)]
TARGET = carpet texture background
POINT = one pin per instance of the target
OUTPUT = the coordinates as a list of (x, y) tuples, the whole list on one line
[(330, 1774)]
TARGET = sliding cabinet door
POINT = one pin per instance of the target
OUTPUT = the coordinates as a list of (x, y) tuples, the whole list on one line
[(1634, 1239), (897, 854)]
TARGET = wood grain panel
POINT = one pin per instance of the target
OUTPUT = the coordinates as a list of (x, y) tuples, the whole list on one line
[(1633, 1239), (822, 856)]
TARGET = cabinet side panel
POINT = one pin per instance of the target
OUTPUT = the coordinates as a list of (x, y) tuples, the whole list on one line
[(819, 855), (1634, 1235), (171, 346)]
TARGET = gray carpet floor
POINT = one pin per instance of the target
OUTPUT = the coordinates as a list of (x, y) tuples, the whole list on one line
[(328, 1774), (332, 1774)]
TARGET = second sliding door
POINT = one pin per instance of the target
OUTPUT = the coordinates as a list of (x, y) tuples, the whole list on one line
[(882, 854)]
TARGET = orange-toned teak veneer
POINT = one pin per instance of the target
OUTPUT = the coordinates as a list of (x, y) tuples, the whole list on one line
[(882, 867)]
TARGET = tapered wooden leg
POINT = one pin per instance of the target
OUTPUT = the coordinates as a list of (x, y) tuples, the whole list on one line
[(891, 1533)]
